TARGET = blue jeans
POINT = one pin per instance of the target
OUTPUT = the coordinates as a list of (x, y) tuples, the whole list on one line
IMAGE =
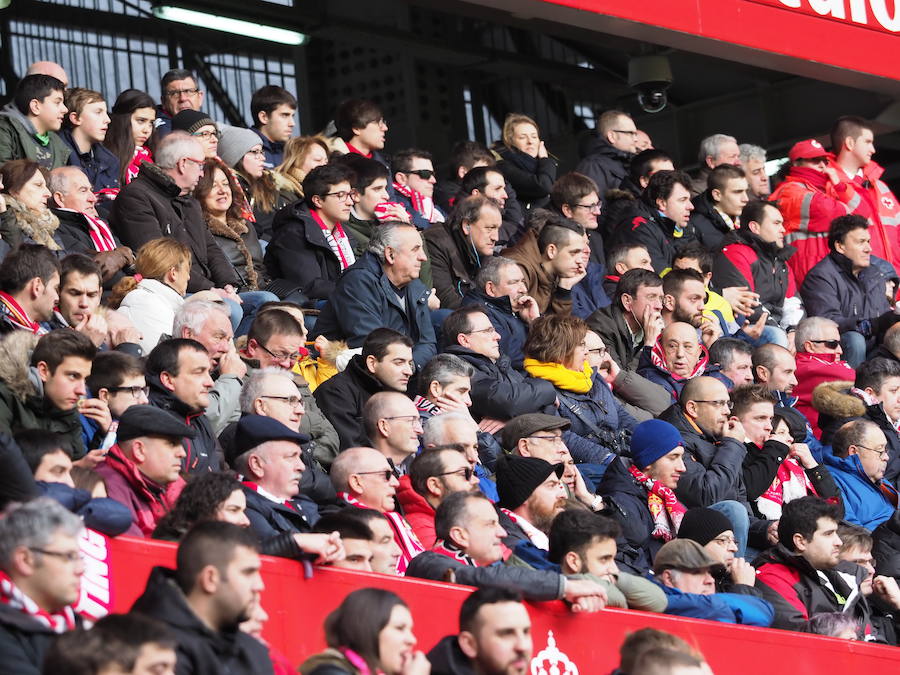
[(854, 346), (740, 522), (773, 335), (252, 300)]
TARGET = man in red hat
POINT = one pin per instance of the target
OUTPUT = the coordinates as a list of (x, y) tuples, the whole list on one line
[(811, 196)]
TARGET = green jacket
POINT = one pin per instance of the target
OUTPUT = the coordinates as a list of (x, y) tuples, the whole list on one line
[(22, 402), (17, 141)]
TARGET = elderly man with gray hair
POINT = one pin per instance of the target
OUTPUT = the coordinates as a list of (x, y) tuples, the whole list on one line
[(753, 161), (382, 290), (40, 570), (715, 150)]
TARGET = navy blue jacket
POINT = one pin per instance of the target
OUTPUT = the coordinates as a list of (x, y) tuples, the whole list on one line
[(364, 299), (274, 149), (589, 295), (513, 331), (99, 164), (603, 163), (599, 407)]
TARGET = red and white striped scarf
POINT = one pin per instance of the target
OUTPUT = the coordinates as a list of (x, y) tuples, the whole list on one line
[(422, 204), (12, 596), (17, 316), (665, 509), (141, 155), (406, 539), (791, 482), (337, 240), (101, 235), (538, 538)]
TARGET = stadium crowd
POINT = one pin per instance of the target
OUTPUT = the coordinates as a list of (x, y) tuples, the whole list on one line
[(619, 386)]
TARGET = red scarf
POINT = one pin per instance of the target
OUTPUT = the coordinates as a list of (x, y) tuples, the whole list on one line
[(406, 539), (422, 204), (665, 509), (141, 155), (384, 211), (12, 596), (158, 502), (791, 482), (449, 550), (18, 316), (658, 357), (101, 236), (337, 241)]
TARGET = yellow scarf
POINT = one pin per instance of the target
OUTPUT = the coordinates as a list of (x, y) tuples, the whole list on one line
[(560, 376)]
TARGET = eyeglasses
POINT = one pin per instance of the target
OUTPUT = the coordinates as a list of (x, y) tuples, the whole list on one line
[(292, 401), (466, 472), (176, 93), (343, 194), (259, 152), (198, 162), (206, 135), (134, 391), (424, 174), (831, 344), (725, 541), (491, 329), (557, 440), (599, 351), (280, 357), (717, 404), (412, 419), (387, 474), (593, 208), (881, 452), (68, 556), (623, 131)]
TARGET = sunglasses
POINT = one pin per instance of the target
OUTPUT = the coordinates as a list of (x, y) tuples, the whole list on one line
[(467, 473), (831, 344), (424, 174), (386, 473)]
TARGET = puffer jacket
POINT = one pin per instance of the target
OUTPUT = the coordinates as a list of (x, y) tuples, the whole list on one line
[(813, 370), (417, 511), (597, 410), (22, 402), (342, 397), (24, 642), (866, 503), (643, 224), (724, 607), (603, 163), (17, 141)]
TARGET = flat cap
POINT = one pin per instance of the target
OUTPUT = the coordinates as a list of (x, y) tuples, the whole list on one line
[(254, 430), (682, 554), (148, 420), (526, 425)]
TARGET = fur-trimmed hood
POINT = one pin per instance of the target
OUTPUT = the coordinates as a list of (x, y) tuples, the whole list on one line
[(15, 356), (835, 400)]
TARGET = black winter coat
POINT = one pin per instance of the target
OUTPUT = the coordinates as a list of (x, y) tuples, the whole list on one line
[(364, 299), (200, 650), (530, 177), (709, 226), (152, 206), (299, 253), (645, 225), (603, 163), (203, 451), (74, 232), (341, 399), (275, 524), (513, 331), (23, 642), (447, 658)]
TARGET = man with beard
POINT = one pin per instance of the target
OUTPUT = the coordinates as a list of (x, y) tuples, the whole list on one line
[(494, 637), (204, 599), (531, 495), (684, 297), (675, 358), (469, 549)]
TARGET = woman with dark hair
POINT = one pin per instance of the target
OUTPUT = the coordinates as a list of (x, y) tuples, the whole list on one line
[(209, 496), (235, 236), (131, 131), (555, 351), (27, 219), (525, 162), (370, 632)]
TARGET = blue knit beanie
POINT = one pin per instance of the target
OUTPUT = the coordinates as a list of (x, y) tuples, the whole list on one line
[(651, 440)]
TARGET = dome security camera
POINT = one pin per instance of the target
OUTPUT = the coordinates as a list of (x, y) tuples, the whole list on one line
[(650, 76)]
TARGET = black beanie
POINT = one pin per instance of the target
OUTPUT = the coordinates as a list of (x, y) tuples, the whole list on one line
[(794, 420), (703, 525), (517, 478)]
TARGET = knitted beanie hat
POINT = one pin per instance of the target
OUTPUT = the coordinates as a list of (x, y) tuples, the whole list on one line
[(191, 120), (236, 142), (703, 525), (651, 440), (517, 478)]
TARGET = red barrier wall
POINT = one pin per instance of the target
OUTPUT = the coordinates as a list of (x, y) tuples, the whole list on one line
[(298, 606)]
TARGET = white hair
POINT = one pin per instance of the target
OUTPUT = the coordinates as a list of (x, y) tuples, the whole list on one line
[(750, 152), (436, 427), (174, 147), (711, 145)]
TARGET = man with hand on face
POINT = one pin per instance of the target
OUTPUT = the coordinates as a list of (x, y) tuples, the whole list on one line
[(469, 549), (142, 470), (682, 569), (676, 358), (458, 248), (501, 290), (494, 637), (713, 531), (684, 298)]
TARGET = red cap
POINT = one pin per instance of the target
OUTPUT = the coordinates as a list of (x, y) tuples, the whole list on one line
[(808, 150)]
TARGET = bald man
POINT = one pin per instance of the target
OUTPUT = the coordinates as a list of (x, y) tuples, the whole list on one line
[(713, 459), (363, 478), (676, 358), (393, 426), (49, 68)]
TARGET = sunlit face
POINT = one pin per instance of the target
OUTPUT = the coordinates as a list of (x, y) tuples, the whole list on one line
[(678, 206), (162, 458), (857, 246), (823, 551), (93, 121), (757, 421), (142, 121), (278, 125), (681, 348), (34, 194), (729, 153), (122, 399), (79, 297), (862, 557), (234, 509), (153, 659), (873, 453), (699, 582), (376, 193), (889, 395), (644, 297), (501, 642), (710, 410), (316, 156), (732, 199), (771, 229), (587, 211), (335, 206), (385, 550), (192, 383), (182, 95), (624, 137), (49, 112), (740, 370), (219, 198), (395, 368), (406, 257), (484, 232), (55, 467), (758, 178), (525, 138), (783, 374), (687, 305), (282, 469), (484, 535), (545, 503), (511, 283), (599, 559), (396, 641), (496, 188), (208, 136), (357, 555), (253, 163), (668, 468), (863, 147), (65, 385), (722, 548), (56, 581), (567, 260), (370, 137), (80, 194), (421, 183), (482, 338)]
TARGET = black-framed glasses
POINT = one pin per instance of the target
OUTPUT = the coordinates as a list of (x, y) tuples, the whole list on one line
[(134, 391), (466, 471), (593, 208), (280, 357), (599, 351), (831, 344), (175, 93), (292, 401), (718, 404), (68, 556), (206, 135), (725, 540), (343, 194), (883, 452), (412, 419), (387, 474), (424, 174)]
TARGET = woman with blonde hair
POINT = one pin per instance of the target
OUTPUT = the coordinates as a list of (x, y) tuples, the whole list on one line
[(524, 161), (302, 154), (151, 297)]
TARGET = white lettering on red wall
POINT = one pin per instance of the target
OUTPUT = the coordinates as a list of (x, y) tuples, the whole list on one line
[(880, 15), (96, 590)]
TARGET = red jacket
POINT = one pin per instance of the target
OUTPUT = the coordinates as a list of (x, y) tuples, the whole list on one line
[(419, 513), (813, 370), (809, 202), (147, 500)]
